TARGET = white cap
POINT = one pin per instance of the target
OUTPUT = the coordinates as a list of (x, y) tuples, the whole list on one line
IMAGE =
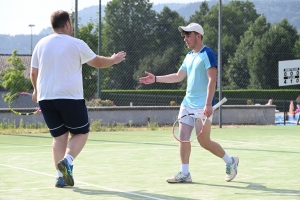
[(192, 27)]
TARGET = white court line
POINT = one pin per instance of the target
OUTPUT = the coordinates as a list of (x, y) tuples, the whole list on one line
[(228, 143), (87, 144), (91, 151), (88, 184)]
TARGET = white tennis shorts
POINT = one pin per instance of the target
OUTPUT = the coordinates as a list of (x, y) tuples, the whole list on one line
[(184, 110)]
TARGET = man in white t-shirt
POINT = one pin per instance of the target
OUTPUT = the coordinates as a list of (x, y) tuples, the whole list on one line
[(200, 68), (56, 76)]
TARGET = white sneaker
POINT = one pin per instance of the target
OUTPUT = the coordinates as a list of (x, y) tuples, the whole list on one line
[(231, 169), (180, 178)]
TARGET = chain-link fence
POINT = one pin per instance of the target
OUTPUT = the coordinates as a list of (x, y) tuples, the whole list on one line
[(256, 35)]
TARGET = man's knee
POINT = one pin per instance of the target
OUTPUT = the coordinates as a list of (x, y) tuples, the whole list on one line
[(204, 142)]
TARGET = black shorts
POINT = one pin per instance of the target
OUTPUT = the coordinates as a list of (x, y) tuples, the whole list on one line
[(63, 115)]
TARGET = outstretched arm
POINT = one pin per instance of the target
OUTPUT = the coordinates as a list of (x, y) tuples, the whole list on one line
[(170, 78), (104, 62)]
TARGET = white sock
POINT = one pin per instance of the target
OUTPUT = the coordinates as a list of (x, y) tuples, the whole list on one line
[(59, 174), (69, 158), (227, 159), (185, 169)]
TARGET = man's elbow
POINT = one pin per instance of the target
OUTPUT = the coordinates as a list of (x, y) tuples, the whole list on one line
[(33, 74)]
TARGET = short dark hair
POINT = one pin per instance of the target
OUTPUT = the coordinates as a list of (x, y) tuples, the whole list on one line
[(59, 19)]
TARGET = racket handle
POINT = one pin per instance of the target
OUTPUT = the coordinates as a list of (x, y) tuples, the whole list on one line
[(220, 103)]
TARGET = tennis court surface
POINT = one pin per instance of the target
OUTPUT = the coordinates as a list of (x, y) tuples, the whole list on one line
[(134, 165)]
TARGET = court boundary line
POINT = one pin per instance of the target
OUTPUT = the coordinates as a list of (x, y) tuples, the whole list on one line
[(194, 145), (88, 144), (84, 183), (89, 151)]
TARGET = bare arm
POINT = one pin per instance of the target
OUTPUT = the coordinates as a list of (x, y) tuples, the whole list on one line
[(33, 77), (104, 62), (170, 78), (211, 87)]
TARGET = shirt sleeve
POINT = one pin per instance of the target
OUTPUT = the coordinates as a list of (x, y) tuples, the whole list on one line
[(212, 59), (183, 66), (86, 54)]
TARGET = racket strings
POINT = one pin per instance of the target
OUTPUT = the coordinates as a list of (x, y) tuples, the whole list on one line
[(199, 125), (23, 100), (190, 126), (185, 132), (188, 129)]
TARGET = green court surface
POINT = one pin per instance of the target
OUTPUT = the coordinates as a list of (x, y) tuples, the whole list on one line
[(134, 165)]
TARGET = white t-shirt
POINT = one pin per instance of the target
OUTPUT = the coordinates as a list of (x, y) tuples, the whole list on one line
[(59, 60)]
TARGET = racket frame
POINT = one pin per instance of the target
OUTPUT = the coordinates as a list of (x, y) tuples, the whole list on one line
[(216, 106), (22, 113)]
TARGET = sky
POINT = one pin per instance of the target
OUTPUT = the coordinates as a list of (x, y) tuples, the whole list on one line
[(17, 15)]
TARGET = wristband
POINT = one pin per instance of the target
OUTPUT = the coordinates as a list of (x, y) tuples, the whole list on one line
[(154, 79)]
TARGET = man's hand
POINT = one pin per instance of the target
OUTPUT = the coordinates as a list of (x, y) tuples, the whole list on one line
[(119, 57), (208, 110), (147, 79), (34, 96)]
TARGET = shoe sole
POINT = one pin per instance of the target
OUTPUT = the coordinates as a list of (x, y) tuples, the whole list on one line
[(180, 182), (63, 169), (184, 181), (59, 186), (237, 164)]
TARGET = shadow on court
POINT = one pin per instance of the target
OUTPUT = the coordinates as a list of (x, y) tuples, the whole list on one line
[(257, 187), (128, 142), (158, 144), (95, 140), (133, 195)]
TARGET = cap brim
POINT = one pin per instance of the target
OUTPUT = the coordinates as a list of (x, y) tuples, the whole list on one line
[(183, 28)]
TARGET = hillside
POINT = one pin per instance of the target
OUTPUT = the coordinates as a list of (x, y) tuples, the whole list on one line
[(274, 10)]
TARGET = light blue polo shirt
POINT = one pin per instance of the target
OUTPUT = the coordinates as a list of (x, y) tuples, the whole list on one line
[(196, 65)]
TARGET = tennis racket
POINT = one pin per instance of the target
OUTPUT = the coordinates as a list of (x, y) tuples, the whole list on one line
[(188, 127), (21, 103)]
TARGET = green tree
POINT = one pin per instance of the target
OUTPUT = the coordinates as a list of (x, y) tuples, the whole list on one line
[(296, 49), (89, 34), (275, 45), (166, 31), (129, 26), (158, 64), (12, 78), (238, 71), (237, 16), (165, 58), (236, 19), (198, 17)]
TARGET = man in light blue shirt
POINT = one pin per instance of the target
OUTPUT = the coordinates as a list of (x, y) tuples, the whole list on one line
[(200, 68), (196, 65)]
